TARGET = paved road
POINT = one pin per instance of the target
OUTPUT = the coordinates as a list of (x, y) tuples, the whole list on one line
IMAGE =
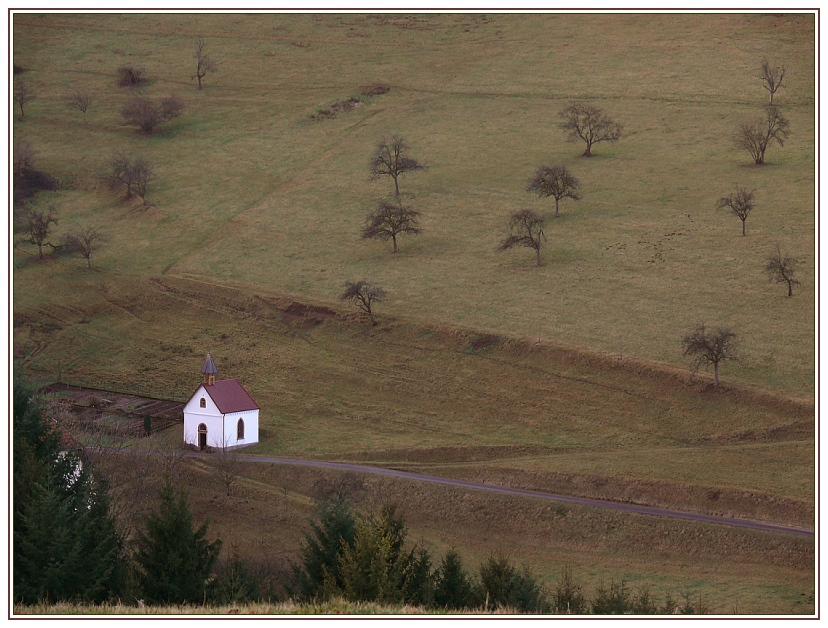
[(581, 501)]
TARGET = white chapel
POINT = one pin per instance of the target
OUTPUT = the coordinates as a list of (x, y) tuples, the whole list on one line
[(220, 414)]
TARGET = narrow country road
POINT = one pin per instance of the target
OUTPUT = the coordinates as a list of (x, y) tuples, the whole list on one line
[(580, 501)]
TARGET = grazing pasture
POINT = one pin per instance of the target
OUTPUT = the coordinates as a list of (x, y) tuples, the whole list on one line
[(483, 365)]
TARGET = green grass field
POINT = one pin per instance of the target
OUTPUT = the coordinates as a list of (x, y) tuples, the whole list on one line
[(257, 206)]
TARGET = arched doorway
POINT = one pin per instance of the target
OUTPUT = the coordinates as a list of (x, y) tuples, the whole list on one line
[(202, 436)]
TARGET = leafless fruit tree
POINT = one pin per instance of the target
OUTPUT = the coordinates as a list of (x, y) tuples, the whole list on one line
[(390, 220), (705, 347), (588, 123), (204, 63), (555, 181), (390, 160), (771, 78), (84, 240), (525, 229), (38, 226), (147, 114), (756, 136), (228, 466), (780, 268), (364, 295), (130, 174), (80, 101), (739, 204), (23, 94)]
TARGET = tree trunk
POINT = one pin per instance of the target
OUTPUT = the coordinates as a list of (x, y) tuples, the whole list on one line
[(537, 257), (743, 227), (587, 152), (556, 208), (89, 262), (394, 240), (40, 249), (716, 374), (396, 188), (790, 289), (199, 80)]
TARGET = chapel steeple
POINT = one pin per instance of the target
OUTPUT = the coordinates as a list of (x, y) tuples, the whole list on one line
[(209, 371)]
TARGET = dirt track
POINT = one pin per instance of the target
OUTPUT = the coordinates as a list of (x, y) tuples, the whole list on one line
[(581, 501)]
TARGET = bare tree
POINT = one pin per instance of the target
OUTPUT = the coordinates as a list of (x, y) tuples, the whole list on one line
[(204, 63), (756, 136), (130, 174), (228, 466), (84, 240), (740, 204), (389, 221), (557, 182), (709, 348), (38, 226), (588, 123), (780, 268), (147, 114), (771, 78), (390, 160), (364, 295), (525, 229), (23, 158), (23, 94), (80, 101)]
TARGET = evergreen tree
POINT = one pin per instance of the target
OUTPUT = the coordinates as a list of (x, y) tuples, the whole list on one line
[(506, 586), (174, 561), (453, 587), (569, 598), (65, 542), (419, 578), (318, 574), (379, 568), (373, 569), (612, 601), (234, 582)]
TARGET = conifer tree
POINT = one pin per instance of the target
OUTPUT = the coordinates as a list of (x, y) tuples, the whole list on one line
[(65, 542), (318, 573), (234, 582), (453, 587), (379, 568), (174, 560)]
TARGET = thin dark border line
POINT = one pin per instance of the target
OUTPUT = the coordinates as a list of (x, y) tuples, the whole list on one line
[(815, 10)]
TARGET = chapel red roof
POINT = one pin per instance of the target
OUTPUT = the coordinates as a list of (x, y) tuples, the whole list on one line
[(230, 396)]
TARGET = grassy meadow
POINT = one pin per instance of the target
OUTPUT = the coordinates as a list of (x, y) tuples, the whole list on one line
[(564, 377)]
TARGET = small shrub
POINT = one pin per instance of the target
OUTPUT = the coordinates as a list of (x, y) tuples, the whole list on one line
[(18, 69), (129, 76), (374, 89), (643, 604), (234, 582), (699, 607), (341, 106), (30, 183), (612, 601)]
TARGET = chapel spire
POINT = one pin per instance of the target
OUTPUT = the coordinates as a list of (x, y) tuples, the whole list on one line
[(209, 371)]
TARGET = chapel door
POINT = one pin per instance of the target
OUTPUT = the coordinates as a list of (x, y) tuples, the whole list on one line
[(202, 436)]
